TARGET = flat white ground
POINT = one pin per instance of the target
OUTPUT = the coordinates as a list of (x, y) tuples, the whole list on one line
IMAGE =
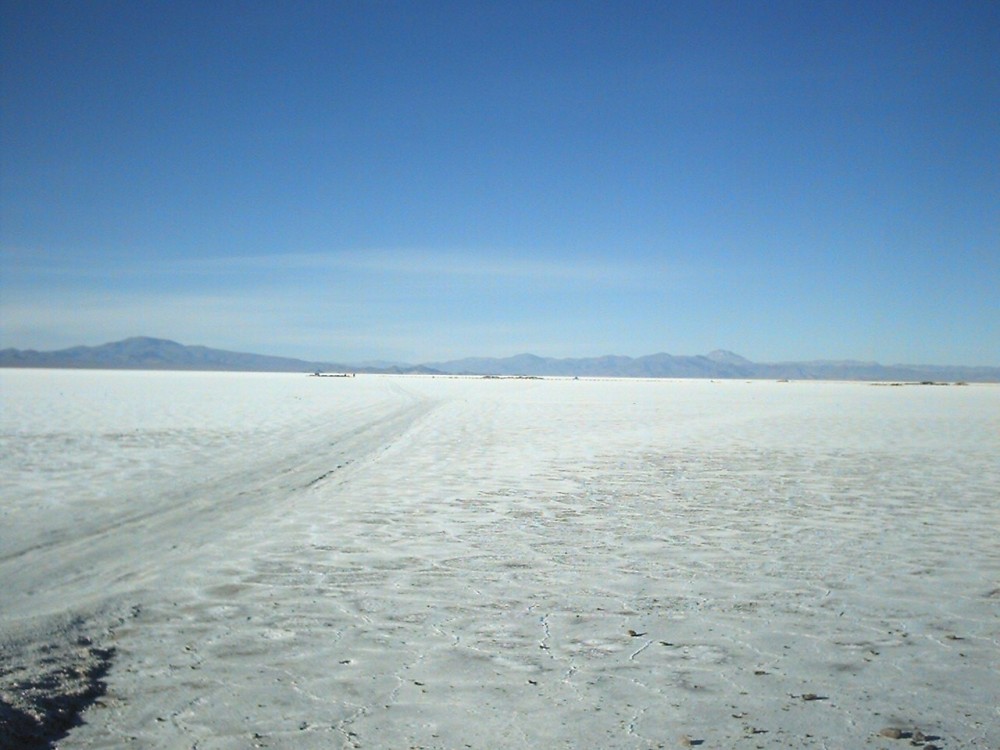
[(240, 560)]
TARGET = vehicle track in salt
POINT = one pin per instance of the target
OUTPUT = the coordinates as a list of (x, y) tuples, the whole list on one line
[(66, 597), (193, 514)]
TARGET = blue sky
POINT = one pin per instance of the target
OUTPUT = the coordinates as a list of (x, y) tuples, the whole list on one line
[(427, 180)]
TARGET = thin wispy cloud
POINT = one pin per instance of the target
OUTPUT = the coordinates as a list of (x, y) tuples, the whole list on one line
[(470, 265), (315, 321), (422, 262)]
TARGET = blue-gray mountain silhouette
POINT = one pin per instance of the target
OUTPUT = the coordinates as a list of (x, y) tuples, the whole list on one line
[(144, 353)]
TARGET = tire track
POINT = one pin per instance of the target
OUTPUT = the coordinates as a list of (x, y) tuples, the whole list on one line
[(200, 513)]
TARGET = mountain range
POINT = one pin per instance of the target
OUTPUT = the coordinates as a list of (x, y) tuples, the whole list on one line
[(716, 364), (144, 353)]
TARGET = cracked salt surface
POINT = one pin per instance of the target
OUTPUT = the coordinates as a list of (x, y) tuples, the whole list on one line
[(282, 561)]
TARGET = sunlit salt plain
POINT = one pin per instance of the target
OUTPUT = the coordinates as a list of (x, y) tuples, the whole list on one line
[(239, 560)]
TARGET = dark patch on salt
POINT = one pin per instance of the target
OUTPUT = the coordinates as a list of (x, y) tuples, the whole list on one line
[(38, 708)]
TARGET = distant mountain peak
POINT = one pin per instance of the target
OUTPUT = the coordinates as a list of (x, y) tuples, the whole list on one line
[(144, 340), (148, 342), (148, 353), (727, 357)]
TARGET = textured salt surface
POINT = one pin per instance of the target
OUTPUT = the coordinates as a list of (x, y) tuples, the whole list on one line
[(226, 561)]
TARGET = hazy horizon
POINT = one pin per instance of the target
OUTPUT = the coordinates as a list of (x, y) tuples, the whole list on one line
[(417, 183), (500, 358)]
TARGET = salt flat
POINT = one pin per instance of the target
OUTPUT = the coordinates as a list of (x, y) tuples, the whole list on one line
[(238, 560)]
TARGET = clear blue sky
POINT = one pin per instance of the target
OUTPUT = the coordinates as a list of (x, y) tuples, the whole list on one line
[(426, 180)]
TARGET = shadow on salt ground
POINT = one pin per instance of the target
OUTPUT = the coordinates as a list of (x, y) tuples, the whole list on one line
[(39, 706)]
